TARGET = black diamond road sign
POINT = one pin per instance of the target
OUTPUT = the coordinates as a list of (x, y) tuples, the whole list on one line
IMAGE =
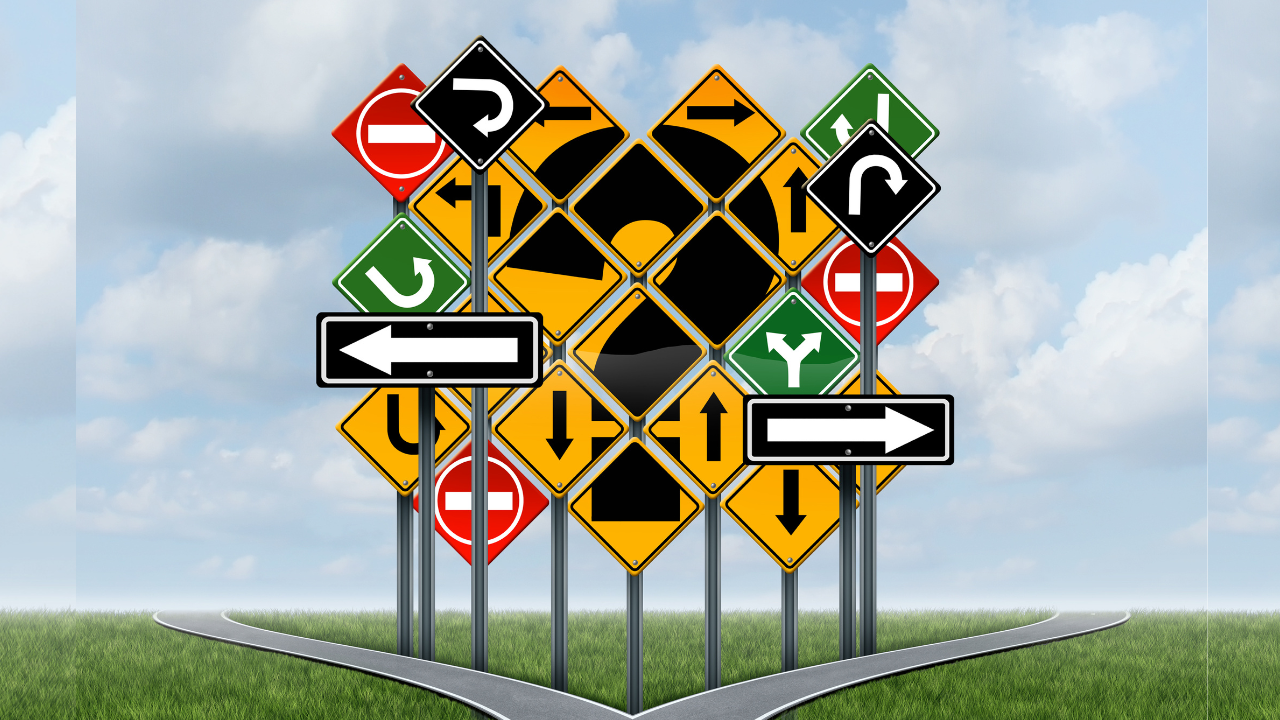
[(832, 429), (480, 104), (871, 187), (415, 349)]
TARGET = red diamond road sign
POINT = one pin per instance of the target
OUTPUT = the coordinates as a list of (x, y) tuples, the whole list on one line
[(513, 503), (388, 138), (902, 283)]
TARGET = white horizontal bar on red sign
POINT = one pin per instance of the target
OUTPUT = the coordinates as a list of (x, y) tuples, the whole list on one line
[(885, 282), (462, 501), (417, 134)]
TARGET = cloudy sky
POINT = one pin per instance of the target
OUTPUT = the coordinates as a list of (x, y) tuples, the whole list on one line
[(1118, 434)]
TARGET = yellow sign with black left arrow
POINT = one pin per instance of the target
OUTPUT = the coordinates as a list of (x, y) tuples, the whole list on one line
[(773, 207), (445, 207), (569, 139), (716, 133), (702, 429), (383, 427), (789, 510)]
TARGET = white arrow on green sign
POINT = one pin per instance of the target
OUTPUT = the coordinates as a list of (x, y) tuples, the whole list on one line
[(869, 96), (793, 350), (401, 271)]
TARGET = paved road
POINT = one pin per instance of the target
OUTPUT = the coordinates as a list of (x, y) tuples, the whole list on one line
[(507, 699)]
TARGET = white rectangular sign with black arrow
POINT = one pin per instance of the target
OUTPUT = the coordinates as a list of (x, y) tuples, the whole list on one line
[(416, 349), (812, 429)]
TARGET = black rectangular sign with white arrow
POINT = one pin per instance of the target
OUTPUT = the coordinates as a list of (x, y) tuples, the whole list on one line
[(415, 349), (812, 429)]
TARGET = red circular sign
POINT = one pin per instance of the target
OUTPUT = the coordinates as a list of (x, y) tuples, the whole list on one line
[(513, 503), (902, 283)]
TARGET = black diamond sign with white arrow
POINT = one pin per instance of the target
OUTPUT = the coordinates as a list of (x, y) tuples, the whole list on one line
[(415, 349), (480, 104), (813, 429), (871, 187)]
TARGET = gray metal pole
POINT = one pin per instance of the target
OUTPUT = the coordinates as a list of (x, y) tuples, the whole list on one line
[(404, 546), (479, 434), (426, 523), (790, 620), (711, 603), (867, 641), (848, 525), (560, 593), (635, 643)]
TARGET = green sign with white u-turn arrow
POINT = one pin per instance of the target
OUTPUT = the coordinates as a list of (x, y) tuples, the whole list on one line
[(869, 96), (793, 350), (401, 271)]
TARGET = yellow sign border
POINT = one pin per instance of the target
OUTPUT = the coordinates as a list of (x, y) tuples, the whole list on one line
[(648, 429), (378, 466), (792, 567)]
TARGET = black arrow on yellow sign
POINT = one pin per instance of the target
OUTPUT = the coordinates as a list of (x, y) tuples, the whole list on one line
[(798, 215), (791, 517), (453, 193), (559, 440), (564, 113), (737, 112), (713, 410)]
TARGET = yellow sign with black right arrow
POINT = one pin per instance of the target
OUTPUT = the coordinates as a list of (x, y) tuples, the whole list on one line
[(445, 207), (716, 133), (383, 427)]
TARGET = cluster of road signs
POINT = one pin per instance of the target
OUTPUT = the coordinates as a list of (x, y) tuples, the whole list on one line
[(711, 278)]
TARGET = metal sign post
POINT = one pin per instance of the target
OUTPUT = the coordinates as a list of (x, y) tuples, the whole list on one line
[(635, 643), (479, 435), (711, 603), (790, 620), (426, 523), (867, 641), (559, 594), (848, 526), (404, 550)]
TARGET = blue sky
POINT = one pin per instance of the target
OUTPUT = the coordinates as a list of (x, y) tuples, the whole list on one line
[(1117, 435)]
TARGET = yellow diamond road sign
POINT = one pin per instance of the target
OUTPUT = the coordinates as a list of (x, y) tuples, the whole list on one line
[(635, 507), (788, 509), (445, 206), (716, 133), (558, 272), (773, 207), (569, 139), (383, 427), (702, 429), (560, 429), (884, 473)]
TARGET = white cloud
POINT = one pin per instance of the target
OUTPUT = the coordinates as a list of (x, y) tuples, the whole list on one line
[(1252, 317), (240, 569), (345, 566), (1232, 434), (57, 510), (1008, 569), (157, 439), (1195, 534), (227, 318), (100, 434)]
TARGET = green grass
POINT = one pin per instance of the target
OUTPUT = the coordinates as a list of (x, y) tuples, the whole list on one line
[(123, 665)]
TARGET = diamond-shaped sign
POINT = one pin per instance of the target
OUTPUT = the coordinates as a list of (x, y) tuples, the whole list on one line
[(445, 207), (559, 429), (635, 507), (702, 429), (902, 283), (793, 350), (637, 352), (383, 428), (717, 279), (401, 270), (787, 509), (869, 96), (871, 188)]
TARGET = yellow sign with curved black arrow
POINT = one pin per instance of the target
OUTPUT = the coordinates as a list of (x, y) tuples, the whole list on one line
[(716, 133), (383, 427), (570, 138), (445, 207)]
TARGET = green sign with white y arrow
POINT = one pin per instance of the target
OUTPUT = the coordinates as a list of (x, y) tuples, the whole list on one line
[(793, 350), (401, 271), (869, 96)]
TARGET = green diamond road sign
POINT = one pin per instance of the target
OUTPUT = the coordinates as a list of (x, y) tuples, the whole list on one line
[(401, 271), (793, 350), (869, 96)]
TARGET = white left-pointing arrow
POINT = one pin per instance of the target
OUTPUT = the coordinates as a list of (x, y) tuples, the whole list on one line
[(894, 430), (380, 350)]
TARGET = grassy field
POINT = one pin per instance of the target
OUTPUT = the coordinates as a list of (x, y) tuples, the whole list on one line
[(123, 665)]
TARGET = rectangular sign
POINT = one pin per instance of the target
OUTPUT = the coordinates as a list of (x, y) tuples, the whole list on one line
[(844, 429), (416, 349)]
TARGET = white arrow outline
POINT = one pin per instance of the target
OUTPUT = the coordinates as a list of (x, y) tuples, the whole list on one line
[(487, 124)]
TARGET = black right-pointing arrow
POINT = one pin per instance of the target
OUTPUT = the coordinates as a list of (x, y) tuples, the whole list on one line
[(798, 214), (559, 423), (737, 112), (713, 409), (791, 517), (563, 113)]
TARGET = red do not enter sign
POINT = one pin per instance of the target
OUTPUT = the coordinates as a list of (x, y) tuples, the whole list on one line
[(902, 283)]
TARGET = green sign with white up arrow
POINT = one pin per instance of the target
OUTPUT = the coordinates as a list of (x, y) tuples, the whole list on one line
[(869, 96), (793, 350), (401, 271)]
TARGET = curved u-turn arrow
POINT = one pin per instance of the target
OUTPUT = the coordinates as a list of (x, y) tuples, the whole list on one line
[(507, 699), (421, 266), (895, 180), (487, 124)]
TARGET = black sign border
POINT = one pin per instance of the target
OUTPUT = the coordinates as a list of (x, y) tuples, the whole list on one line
[(752, 401)]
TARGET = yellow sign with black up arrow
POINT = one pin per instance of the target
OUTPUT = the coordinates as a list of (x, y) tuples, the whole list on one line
[(445, 207), (702, 429), (383, 427), (773, 207), (559, 429), (716, 133), (635, 507), (558, 272), (638, 207), (789, 510), (569, 139)]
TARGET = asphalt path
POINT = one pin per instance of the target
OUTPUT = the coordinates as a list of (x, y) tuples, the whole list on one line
[(507, 699)]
